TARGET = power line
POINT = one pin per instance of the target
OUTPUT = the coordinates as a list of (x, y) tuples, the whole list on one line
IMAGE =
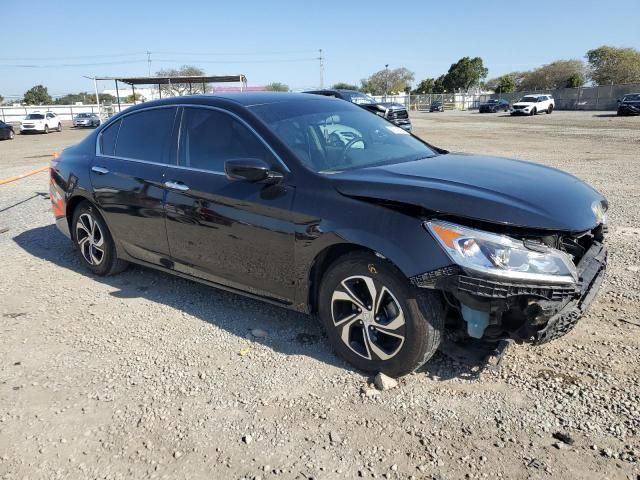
[(106, 55)]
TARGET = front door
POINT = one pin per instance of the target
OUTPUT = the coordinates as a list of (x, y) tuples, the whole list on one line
[(127, 175), (235, 233)]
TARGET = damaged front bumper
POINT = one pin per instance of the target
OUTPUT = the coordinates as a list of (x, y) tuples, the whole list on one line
[(496, 309)]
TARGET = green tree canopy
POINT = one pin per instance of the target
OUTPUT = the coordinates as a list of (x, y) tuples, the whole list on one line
[(388, 81), (178, 89), (38, 95), (425, 86), (87, 98), (345, 86), (138, 98), (553, 75), (276, 87), (614, 65), (464, 74)]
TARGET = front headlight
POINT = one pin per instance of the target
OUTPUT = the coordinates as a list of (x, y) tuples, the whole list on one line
[(503, 256)]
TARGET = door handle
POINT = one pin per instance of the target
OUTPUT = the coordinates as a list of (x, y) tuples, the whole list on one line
[(176, 186), (100, 170)]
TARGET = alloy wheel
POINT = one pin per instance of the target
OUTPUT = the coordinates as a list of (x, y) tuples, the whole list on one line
[(368, 317), (90, 239)]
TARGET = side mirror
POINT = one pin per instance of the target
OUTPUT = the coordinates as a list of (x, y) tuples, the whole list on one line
[(251, 170)]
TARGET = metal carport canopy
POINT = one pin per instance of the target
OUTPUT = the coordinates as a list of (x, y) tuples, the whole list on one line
[(189, 79)]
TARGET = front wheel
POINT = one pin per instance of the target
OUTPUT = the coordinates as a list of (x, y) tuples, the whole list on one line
[(549, 109), (12, 135), (46, 129), (94, 241), (59, 129), (375, 319), (533, 111)]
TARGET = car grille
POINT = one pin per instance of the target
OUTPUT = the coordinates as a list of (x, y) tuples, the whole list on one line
[(398, 115), (519, 107)]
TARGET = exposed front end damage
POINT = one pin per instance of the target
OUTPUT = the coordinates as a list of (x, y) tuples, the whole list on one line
[(496, 308)]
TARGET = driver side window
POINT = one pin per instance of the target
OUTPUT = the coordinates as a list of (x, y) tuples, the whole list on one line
[(208, 138)]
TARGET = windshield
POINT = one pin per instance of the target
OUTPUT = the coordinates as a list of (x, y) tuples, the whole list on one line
[(634, 97), (336, 136), (83, 115), (529, 99), (34, 116), (359, 98)]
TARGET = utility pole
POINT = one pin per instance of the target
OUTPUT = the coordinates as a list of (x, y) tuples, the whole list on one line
[(321, 58), (386, 81), (149, 61)]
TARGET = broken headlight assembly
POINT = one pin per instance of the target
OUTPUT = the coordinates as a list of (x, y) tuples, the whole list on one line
[(503, 256)]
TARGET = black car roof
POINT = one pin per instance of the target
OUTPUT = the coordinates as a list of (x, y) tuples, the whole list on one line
[(247, 99)]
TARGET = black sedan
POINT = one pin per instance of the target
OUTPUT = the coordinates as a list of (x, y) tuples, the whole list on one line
[(314, 204), (6, 131), (629, 105), (495, 105), (436, 106)]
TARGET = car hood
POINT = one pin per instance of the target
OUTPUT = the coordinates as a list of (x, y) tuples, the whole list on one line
[(489, 189)]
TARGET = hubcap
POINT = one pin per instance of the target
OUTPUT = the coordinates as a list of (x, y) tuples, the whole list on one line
[(90, 239), (368, 317)]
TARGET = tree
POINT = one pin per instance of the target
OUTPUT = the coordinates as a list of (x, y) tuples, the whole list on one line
[(611, 65), (503, 84), (388, 81), (38, 95), (1, 99), (345, 86), (554, 75), (574, 81), (464, 74), (179, 89), (131, 99), (425, 86), (276, 87)]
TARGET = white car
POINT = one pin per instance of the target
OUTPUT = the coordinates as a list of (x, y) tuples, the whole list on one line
[(532, 104), (40, 122)]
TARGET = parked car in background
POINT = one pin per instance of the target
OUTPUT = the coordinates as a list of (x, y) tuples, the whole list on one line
[(40, 122), (533, 104), (394, 112), (629, 105), (437, 106), (494, 105), (6, 131), (86, 120), (313, 204)]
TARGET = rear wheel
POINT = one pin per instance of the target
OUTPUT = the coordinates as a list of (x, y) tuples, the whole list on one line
[(12, 135), (375, 319), (94, 241)]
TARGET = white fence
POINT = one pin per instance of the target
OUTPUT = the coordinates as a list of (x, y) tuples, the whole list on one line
[(10, 114)]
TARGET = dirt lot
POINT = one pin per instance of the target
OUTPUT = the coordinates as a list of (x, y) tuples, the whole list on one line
[(145, 375)]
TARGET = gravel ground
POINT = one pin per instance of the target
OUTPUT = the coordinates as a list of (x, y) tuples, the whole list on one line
[(144, 375)]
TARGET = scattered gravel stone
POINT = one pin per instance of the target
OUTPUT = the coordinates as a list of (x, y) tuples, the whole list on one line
[(384, 382)]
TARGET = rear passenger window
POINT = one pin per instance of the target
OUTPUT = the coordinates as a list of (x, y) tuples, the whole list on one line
[(210, 137), (108, 139), (145, 135)]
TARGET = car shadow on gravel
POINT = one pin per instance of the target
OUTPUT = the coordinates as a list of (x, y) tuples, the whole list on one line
[(282, 330), (285, 331)]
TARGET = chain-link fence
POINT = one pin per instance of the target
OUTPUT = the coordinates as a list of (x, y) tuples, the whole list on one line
[(584, 98)]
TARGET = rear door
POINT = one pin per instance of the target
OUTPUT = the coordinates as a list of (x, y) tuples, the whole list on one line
[(235, 233), (128, 180)]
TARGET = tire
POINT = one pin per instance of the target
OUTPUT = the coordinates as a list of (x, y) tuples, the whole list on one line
[(97, 250), (414, 319), (12, 135), (59, 129), (533, 111), (46, 129), (549, 109)]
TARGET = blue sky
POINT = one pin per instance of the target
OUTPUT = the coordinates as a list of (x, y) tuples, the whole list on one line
[(279, 40)]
